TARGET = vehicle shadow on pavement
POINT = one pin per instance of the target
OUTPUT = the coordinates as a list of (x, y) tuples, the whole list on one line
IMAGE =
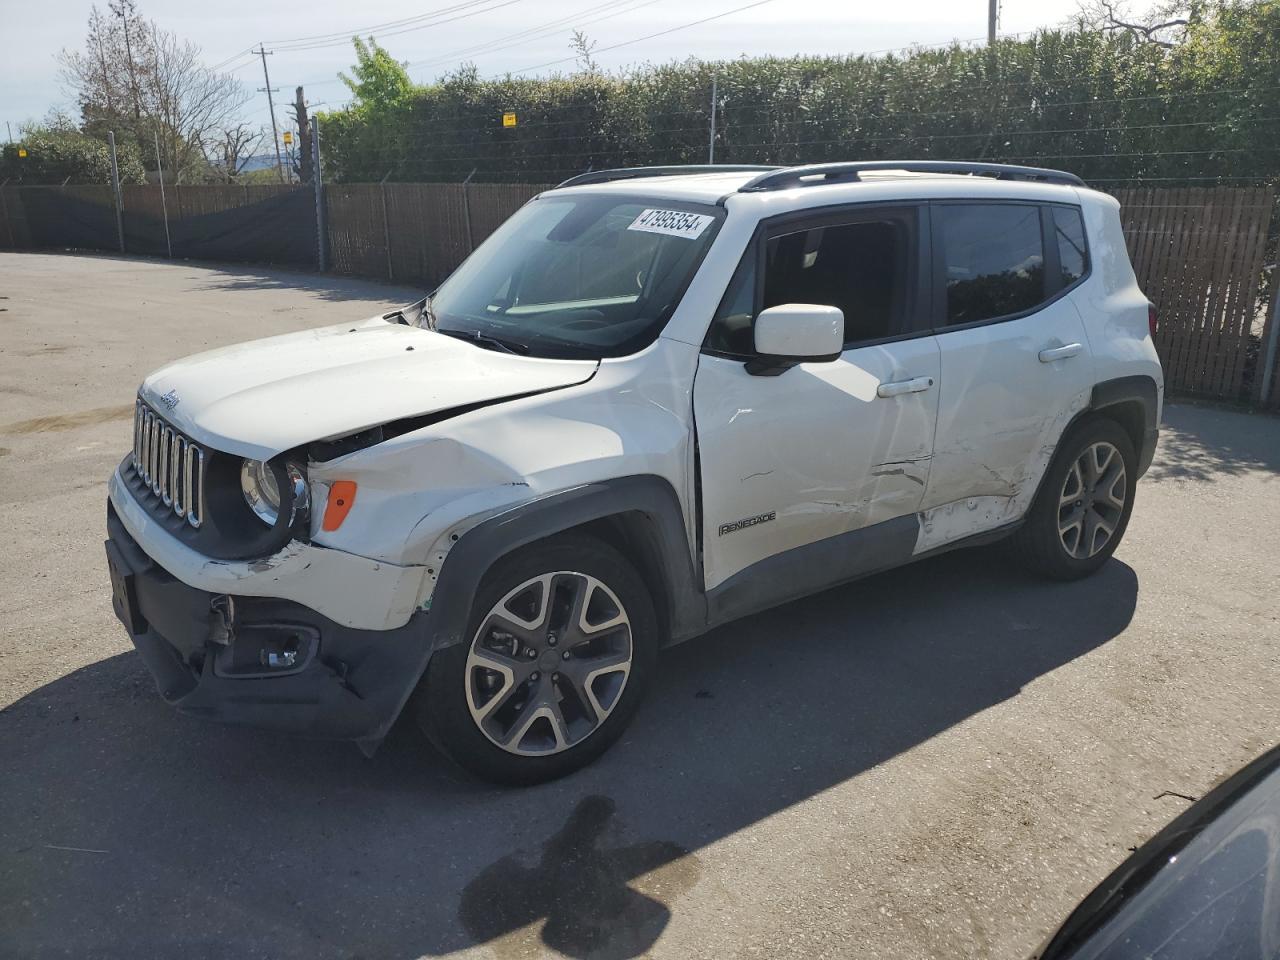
[(132, 832)]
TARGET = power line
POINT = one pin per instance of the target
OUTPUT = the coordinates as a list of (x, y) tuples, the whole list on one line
[(651, 36), (538, 32), (421, 23), (247, 52), (907, 48), (516, 39), (347, 34)]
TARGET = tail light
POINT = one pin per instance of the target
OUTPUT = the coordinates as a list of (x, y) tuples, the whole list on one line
[(1153, 319)]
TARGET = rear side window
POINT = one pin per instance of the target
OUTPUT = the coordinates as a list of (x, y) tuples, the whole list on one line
[(992, 258), (1068, 231)]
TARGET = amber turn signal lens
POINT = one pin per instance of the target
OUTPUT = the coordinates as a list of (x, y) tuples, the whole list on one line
[(342, 494)]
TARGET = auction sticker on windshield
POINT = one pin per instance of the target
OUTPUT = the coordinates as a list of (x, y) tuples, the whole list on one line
[(674, 223)]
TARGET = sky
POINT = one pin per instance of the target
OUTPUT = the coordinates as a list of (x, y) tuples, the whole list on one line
[(511, 35)]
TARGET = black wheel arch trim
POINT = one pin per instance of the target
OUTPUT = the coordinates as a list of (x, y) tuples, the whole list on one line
[(648, 497), (1111, 393), (1140, 388)]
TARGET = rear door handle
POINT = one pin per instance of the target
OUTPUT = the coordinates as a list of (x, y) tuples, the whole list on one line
[(899, 387), (1060, 353)]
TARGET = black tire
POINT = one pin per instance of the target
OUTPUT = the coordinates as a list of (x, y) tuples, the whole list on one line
[(441, 705), (1038, 543)]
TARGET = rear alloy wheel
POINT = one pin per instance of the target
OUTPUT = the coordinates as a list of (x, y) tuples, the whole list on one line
[(1092, 500), (1083, 507), (561, 643)]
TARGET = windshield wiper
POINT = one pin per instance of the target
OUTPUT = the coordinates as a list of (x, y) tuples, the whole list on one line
[(486, 341)]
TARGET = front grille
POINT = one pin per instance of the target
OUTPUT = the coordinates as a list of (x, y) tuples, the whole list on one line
[(170, 465)]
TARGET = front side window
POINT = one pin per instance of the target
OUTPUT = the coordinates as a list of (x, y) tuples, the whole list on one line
[(576, 276), (992, 258), (861, 267)]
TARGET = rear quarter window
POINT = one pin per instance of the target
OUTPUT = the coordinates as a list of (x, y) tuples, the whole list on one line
[(1073, 252)]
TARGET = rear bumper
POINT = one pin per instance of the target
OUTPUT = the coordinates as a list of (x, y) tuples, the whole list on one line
[(343, 683)]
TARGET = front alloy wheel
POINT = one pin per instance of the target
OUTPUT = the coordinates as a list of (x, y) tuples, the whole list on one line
[(560, 644), (549, 663)]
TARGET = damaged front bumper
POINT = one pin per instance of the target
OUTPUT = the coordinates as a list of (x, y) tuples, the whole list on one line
[(262, 661)]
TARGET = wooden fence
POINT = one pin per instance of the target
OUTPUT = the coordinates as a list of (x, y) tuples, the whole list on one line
[(1199, 252), (270, 223), (415, 232), (1199, 255)]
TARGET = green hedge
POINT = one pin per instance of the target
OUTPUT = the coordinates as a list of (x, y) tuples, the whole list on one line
[(1104, 105), (55, 155)]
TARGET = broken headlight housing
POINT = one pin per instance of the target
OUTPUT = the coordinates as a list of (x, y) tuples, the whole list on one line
[(268, 484)]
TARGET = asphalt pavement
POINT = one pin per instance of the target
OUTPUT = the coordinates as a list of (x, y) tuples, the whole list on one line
[(934, 762)]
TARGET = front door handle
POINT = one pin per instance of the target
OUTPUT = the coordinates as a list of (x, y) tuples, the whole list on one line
[(899, 387), (1060, 353)]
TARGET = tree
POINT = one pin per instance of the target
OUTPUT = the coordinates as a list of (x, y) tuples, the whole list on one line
[(59, 153), (236, 147), (145, 83), (302, 164), (106, 77), (380, 81), (189, 103), (1164, 25), (584, 47), (126, 12)]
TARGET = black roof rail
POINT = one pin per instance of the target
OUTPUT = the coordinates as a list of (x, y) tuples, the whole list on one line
[(633, 173), (819, 173)]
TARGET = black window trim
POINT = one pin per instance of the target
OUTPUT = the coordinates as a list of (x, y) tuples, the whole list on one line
[(1052, 263), (1051, 241), (917, 313)]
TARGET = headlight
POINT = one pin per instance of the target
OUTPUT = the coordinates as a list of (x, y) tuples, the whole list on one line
[(261, 485)]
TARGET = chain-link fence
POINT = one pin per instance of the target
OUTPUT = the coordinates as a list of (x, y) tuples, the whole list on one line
[(1200, 253)]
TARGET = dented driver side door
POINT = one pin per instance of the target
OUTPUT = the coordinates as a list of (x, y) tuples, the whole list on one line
[(822, 449)]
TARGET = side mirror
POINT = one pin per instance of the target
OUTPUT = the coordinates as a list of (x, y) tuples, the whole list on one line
[(796, 333)]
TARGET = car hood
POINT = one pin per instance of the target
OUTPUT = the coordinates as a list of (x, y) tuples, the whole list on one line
[(260, 398)]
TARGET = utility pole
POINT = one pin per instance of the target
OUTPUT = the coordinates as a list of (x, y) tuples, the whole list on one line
[(711, 147), (1271, 336), (271, 105), (993, 14), (164, 204), (115, 188), (318, 180)]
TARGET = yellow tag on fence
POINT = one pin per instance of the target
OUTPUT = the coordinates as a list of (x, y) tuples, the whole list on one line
[(509, 119), (22, 151), (288, 138)]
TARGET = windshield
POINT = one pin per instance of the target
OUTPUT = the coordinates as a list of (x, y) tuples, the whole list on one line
[(576, 276)]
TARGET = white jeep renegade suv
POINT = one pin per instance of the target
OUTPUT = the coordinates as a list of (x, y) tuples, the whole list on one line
[(653, 401)]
